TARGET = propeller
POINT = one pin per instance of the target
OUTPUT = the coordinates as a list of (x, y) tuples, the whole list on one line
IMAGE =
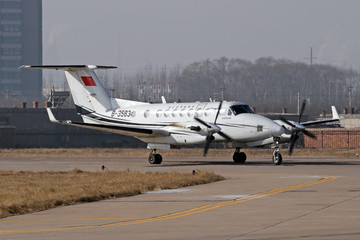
[(212, 128), (296, 128)]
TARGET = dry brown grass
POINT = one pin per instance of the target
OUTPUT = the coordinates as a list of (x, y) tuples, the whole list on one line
[(182, 153), (25, 192)]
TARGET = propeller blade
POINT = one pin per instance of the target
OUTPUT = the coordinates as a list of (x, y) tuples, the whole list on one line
[(302, 110), (207, 144), (214, 128), (286, 121), (293, 139), (309, 134), (217, 113), (202, 122), (224, 136)]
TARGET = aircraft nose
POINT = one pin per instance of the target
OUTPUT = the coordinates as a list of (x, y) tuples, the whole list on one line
[(277, 130)]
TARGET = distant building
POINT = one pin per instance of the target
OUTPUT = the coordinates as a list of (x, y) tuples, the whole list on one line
[(20, 43)]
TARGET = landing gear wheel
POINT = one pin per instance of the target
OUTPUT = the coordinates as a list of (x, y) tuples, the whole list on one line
[(277, 158), (239, 157), (155, 158)]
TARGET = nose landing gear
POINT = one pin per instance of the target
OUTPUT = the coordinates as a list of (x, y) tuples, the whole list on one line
[(277, 158)]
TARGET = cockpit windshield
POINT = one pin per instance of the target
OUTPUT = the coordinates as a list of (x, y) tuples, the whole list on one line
[(238, 109)]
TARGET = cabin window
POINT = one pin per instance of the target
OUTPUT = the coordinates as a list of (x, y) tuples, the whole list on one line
[(175, 113), (133, 114), (183, 112), (167, 113), (199, 112), (208, 111), (159, 113), (191, 112), (147, 113)]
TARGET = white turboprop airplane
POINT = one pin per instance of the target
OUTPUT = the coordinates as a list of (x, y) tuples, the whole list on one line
[(170, 125)]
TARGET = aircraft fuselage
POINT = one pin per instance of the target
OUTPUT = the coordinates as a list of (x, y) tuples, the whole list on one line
[(235, 119)]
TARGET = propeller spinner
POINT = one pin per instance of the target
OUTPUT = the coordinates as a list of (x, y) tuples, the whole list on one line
[(296, 128), (212, 128)]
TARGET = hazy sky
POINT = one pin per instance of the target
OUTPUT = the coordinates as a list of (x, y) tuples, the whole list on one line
[(132, 33)]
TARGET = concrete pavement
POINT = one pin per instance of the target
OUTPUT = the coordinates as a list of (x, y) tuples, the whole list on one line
[(302, 199)]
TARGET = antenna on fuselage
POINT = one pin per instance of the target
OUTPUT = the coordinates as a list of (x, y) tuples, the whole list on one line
[(163, 99)]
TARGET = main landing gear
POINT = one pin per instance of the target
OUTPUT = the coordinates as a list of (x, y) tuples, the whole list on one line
[(155, 158), (239, 157)]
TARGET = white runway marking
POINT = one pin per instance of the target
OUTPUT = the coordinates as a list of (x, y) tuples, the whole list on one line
[(230, 196), (169, 191)]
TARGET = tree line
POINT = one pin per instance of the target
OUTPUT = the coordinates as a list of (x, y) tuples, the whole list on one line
[(270, 84), (267, 84)]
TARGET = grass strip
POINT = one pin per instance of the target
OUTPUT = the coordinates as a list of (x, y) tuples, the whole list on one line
[(174, 153), (25, 191)]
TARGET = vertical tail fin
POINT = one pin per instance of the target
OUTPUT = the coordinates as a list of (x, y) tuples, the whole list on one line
[(335, 113), (88, 93)]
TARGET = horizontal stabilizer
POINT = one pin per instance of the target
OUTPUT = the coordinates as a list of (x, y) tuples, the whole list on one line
[(335, 118), (67, 67), (86, 88)]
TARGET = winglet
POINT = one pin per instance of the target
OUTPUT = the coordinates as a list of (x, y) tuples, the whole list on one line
[(54, 120), (51, 116), (335, 113)]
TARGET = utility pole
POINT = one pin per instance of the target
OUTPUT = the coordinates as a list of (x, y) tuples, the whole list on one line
[(222, 93), (298, 103), (311, 57), (350, 97), (308, 87)]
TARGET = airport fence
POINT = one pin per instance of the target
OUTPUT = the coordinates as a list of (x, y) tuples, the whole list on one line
[(333, 139)]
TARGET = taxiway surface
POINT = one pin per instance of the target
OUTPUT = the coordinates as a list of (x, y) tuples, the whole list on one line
[(301, 199)]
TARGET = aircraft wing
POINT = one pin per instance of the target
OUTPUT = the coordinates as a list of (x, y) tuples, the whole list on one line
[(130, 131), (335, 118)]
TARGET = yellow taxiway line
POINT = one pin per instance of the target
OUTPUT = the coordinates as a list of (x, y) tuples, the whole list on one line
[(175, 215)]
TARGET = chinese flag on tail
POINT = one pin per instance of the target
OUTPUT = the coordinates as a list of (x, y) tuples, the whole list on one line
[(88, 81)]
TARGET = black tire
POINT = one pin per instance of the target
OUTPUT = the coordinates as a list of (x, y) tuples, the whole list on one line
[(277, 158), (158, 159), (155, 158), (239, 157), (152, 159)]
